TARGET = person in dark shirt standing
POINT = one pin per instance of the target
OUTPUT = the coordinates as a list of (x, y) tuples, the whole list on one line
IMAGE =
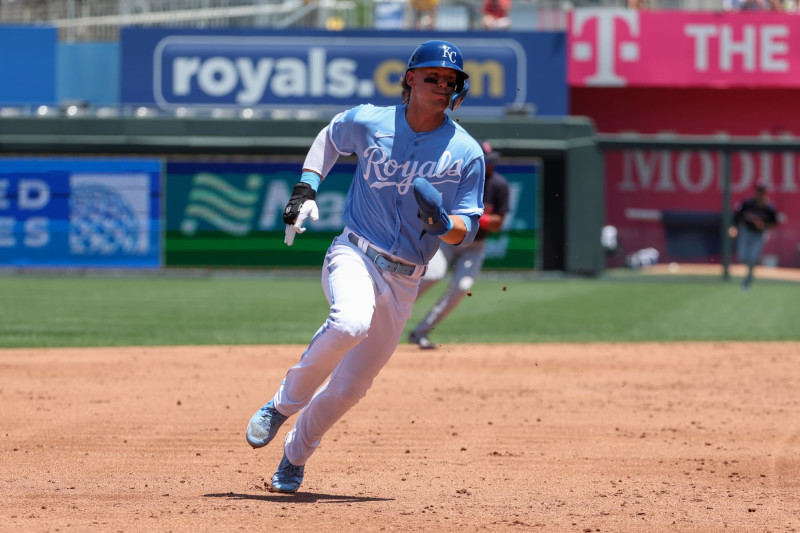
[(752, 220)]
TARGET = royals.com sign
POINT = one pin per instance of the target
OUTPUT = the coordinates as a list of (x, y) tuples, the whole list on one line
[(222, 68)]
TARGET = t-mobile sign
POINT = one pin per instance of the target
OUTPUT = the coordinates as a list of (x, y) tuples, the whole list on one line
[(621, 47)]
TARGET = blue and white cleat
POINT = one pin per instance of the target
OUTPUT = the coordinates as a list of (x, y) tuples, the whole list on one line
[(264, 425), (288, 477)]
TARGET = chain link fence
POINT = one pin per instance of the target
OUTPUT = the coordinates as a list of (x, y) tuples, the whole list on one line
[(101, 20)]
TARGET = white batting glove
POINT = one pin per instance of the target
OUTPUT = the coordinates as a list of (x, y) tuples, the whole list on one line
[(307, 210)]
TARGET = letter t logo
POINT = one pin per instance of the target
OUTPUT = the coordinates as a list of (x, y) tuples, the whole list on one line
[(604, 49)]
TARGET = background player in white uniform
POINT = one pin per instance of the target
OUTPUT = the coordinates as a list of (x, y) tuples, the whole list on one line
[(466, 260), (418, 182)]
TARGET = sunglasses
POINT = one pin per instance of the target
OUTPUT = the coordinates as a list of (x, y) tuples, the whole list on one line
[(435, 81)]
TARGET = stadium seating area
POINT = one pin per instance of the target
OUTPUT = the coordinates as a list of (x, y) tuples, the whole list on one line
[(100, 20)]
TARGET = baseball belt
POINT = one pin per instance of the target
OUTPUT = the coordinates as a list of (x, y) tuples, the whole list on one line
[(382, 262)]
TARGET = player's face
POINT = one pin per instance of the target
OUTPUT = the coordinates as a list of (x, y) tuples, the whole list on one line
[(434, 85)]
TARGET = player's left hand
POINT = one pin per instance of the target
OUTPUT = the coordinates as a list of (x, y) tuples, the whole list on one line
[(434, 218)]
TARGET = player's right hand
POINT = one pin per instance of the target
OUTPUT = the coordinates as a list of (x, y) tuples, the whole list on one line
[(308, 209), (301, 205)]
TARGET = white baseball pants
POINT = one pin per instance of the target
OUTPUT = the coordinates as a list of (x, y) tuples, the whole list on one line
[(368, 311)]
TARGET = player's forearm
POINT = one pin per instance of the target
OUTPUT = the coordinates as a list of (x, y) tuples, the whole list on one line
[(465, 227), (457, 234)]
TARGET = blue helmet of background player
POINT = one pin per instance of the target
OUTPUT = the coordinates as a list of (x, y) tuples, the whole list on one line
[(442, 54)]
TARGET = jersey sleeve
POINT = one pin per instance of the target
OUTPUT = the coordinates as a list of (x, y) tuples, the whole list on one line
[(469, 197), (343, 130)]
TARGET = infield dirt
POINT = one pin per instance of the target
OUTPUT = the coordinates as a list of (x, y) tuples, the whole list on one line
[(594, 437)]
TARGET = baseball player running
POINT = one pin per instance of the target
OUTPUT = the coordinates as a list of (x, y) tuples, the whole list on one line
[(752, 220), (418, 182), (467, 261)]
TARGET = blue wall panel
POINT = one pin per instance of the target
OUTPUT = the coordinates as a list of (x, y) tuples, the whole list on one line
[(27, 65), (88, 72)]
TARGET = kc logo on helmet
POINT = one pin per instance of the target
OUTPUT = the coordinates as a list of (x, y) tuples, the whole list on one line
[(449, 54)]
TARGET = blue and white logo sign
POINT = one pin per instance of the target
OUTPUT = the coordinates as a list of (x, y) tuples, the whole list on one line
[(80, 212), (220, 204), (255, 71), (109, 214), (194, 68)]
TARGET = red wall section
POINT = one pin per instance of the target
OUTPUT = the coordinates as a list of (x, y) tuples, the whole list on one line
[(691, 111), (683, 186)]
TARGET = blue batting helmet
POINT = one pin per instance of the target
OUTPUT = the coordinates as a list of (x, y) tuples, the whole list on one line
[(442, 54)]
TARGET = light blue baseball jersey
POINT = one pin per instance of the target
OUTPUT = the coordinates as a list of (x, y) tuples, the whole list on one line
[(380, 205)]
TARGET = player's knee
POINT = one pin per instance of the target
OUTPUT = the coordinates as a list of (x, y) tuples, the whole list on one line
[(465, 283), (349, 391), (352, 324)]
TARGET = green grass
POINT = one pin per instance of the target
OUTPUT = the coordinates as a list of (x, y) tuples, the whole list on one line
[(618, 311), (50, 311)]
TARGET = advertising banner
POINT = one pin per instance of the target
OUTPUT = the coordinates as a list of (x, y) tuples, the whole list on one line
[(623, 47), (205, 69), (231, 214), (80, 212), (27, 65)]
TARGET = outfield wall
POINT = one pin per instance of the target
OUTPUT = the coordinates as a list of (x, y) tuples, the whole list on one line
[(212, 96), (209, 193)]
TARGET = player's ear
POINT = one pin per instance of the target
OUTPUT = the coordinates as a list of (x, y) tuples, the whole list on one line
[(410, 78)]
